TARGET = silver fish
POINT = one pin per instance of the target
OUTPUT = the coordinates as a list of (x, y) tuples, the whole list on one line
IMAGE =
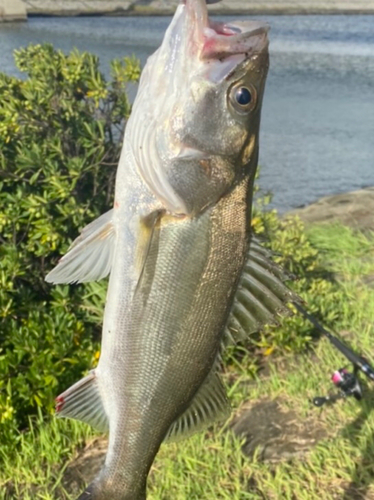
[(185, 274)]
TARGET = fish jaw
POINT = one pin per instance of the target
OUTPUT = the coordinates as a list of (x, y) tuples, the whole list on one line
[(212, 42)]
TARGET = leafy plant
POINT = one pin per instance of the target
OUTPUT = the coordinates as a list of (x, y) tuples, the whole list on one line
[(60, 138)]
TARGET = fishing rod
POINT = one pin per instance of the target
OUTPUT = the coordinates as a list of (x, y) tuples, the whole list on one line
[(347, 382)]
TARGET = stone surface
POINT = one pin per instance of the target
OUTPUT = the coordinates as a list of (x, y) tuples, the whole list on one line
[(355, 209), (154, 7), (12, 10)]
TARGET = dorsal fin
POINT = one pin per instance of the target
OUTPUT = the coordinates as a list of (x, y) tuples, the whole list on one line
[(209, 405), (261, 296)]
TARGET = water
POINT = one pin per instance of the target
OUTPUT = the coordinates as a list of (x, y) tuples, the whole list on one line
[(318, 120)]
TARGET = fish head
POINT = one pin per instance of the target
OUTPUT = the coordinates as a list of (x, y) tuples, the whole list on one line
[(199, 107)]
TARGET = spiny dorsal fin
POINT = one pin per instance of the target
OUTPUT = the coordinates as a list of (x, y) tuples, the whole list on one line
[(209, 405), (82, 401), (261, 296), (90, 256)]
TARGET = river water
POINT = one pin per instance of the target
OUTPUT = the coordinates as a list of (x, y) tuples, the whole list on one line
[(317, 133)]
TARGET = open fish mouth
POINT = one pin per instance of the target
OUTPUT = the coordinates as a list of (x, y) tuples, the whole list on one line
[(209, 39)]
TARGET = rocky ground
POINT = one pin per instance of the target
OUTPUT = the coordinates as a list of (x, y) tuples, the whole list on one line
[(160, 7), (354, 209)]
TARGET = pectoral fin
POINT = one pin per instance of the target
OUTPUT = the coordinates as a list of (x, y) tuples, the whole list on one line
[(261, 297), (90, 256), (148, 236)]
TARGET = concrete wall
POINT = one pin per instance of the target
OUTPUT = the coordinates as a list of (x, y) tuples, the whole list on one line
[(150, 7), (12, 10), (77, 7)]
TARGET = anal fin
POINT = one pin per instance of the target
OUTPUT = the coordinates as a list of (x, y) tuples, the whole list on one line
[(90, 256), (82, 401), (209, 405)]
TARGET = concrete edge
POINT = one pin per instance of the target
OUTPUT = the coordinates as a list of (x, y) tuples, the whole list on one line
[(12, 10), (136, 10)]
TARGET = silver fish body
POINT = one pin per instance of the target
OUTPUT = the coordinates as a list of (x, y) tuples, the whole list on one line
[(170, 338), (176, 244)]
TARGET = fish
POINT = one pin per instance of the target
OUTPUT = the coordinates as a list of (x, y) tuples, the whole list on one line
[(187, 276)]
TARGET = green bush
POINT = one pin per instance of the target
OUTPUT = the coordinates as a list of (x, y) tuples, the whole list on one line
[(60, 138)]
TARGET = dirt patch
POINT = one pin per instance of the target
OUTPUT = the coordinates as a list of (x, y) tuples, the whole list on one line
[(275, 432), (86, 466)]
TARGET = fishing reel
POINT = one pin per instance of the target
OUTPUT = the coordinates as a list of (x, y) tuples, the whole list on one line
[(347, 382)]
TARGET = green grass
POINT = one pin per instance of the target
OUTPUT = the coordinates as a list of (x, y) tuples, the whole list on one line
[(35, 469), (212, 465)]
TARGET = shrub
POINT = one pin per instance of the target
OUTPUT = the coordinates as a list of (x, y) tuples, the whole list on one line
[(60, 138)]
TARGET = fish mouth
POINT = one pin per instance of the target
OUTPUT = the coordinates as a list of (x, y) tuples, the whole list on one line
[(216, 40)]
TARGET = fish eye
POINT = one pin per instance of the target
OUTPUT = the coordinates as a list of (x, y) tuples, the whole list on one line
[(243, 98)]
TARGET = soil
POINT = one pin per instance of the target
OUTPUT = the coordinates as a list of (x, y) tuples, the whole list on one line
[(86, 466), (275, 432)]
